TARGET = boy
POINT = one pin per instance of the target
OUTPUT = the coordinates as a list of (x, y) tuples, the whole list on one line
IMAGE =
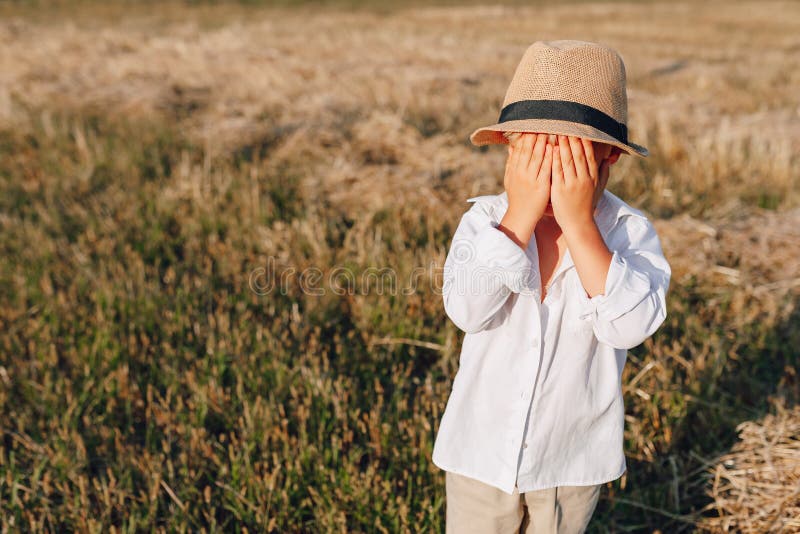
[(552, 281)]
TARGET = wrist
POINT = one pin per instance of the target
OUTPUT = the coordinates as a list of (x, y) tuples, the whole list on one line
[(519, 227), (580, 228)]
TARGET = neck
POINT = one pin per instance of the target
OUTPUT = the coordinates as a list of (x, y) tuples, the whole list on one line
[(549, 225)]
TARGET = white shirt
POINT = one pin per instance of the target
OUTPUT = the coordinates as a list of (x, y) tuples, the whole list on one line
[(537, 398)]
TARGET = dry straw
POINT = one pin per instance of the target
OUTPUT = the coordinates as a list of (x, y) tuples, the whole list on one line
[(757, 485)]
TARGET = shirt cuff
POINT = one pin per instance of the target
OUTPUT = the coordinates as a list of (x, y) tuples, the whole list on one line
[(499, 254), (624, 289)]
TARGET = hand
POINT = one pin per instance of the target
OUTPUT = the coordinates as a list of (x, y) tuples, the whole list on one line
[(527, 182), (578, 182)]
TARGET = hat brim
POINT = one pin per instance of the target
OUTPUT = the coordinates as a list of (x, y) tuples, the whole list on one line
[(493, 134)]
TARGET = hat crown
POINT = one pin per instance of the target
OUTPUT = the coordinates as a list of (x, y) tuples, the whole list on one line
[(575, 71)]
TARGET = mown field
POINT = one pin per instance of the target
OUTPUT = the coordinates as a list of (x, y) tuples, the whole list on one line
[(158, 162)]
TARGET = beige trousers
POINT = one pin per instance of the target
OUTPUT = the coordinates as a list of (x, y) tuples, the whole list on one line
[(475, 507)]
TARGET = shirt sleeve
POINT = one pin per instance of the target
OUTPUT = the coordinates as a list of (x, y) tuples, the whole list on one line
[(482, 269), (633, 304)]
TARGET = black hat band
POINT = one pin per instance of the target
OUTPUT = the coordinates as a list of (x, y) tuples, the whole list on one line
[(564, 110)]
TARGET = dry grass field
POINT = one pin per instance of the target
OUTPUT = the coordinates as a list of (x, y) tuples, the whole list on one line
[(158, 161)]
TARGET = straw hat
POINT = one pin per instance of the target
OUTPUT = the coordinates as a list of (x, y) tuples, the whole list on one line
[(566, 87)]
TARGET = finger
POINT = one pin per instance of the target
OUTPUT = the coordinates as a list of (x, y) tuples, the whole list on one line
[(537, 155), (514, 154), (524, 153), (512, 137), (579, 158), (546, 169), (558, 171), (530, 140), (588, 150), (509, 163), (602, 180), (565, 157)]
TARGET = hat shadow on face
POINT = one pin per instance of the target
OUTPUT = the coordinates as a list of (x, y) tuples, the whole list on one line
[(512, 137), (490, 136), (614, 153)]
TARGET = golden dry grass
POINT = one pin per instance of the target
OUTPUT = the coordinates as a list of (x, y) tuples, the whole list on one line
[(756, 486), (153, 159)]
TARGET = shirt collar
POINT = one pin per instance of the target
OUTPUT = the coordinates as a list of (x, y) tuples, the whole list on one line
[(610, 209)]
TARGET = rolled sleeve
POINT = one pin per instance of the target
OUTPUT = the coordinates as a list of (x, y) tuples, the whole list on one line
[(482, 269), (495, 251), (633, 304), (624, 289)]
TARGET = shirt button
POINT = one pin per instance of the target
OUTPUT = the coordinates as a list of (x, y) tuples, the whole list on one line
[(525, 445)]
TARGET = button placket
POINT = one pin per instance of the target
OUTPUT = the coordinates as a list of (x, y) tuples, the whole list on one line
[(543, 313)]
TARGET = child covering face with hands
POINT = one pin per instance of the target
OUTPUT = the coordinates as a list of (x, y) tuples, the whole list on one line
[(559, 177), (551, 281)]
